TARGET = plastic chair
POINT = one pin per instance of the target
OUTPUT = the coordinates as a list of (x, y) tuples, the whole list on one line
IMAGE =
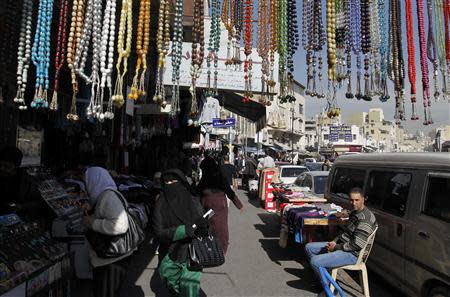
[(360, 265)]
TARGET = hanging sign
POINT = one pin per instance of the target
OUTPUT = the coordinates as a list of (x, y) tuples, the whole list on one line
[(228, 77), (340, 132), (219, 123)]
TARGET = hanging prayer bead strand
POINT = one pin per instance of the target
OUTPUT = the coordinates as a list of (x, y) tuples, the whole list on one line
[(292, 46), (263, 46), (248, 46), (423, 59), (282, 48), (447, 45), (107, 56), (397, 60), (163, 42), (60, 50), (273, 46), (238, 24), (74, 39), (348, 49), (366, 46), (40, 53), (355, 25), (432, 52), (177, 48), (440, 42), (198, 52), (124, 39), (24, 53), (384, 48), (227, 18), (375, 49), (142, 41), (411, 58)]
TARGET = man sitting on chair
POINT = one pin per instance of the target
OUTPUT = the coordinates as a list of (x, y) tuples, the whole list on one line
[(345, 248)]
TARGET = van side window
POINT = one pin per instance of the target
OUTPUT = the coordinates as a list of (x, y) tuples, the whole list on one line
[(438, 203), (345, 179), (388, 191)]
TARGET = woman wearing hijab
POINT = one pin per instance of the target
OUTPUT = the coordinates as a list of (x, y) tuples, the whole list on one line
[(214, 191), (176, 212), (109, 217)]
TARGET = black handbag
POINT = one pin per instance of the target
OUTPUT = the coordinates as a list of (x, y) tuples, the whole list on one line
[(205, 252), (112, 246)]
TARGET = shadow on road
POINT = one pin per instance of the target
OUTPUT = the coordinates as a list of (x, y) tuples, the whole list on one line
[(306, 279)]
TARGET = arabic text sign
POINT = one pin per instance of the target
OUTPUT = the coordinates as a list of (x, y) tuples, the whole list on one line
[(340, 132), (219, 123)]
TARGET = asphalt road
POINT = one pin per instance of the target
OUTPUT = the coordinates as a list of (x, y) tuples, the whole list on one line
[(255, 264)]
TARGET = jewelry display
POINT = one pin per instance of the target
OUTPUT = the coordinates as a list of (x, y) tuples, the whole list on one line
[(177, 47), (163, 40), (24, 53), (123, 49), (142, 41)]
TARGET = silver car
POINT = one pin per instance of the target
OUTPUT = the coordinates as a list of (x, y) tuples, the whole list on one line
[(313, 181)]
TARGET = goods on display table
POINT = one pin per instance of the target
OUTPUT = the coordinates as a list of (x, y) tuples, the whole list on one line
[(297, 218), (31, 261), (291, 194)]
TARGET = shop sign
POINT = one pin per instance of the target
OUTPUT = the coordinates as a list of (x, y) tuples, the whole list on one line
[(228, 78), (219, 123), (340, 132)]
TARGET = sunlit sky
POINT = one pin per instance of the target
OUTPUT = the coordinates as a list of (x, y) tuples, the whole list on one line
[(440, 110)]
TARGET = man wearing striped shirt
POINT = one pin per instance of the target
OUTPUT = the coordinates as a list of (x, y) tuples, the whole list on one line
[(345, 248)]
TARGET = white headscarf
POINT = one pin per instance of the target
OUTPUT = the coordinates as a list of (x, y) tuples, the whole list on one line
[(97, 180)]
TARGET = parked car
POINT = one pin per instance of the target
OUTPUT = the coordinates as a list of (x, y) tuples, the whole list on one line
[(310, 160), (409, 195), (314, 181), (288, 173), (316, 166)]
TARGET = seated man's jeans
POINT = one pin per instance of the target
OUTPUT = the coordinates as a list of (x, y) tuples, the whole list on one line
[(319, 257)]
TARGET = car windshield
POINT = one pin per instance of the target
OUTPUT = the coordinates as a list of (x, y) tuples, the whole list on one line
[(292, 171), (314, 166), (319, 184)]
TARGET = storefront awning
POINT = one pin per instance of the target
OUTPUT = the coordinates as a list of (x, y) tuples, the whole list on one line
[(252, 110)]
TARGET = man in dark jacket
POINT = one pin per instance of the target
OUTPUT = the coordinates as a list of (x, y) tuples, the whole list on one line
[(345, 248)]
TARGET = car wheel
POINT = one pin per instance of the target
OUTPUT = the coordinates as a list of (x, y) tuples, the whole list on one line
[(439, 292)]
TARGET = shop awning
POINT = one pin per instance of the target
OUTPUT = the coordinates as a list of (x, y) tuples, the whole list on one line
[(252, 110)]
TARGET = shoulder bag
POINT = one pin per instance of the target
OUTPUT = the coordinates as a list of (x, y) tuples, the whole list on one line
[(205, 252)]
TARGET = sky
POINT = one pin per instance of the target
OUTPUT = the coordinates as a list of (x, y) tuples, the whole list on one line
[(440, 111)]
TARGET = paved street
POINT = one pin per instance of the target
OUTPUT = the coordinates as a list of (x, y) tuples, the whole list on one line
[(255, 265)]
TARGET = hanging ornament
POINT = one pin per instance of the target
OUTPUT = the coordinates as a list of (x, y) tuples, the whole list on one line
[(447, 47), (366, 46), (375, 49), (384, 49), (177, 48), (124, 38), (248, 46), (273, 46), (439, 14), (40, 53), (341, 40), (212, 59), (142, 42), (292, 46), (198, 53), (348, 48), (424, 62), (332, 110), (282, 49), (355, 29), (227, 18), (24, 53), (76, 28), (238, 23), (411, 58), (60, 50), (263, 46), (432, 52), (163, 42), (107, 56)]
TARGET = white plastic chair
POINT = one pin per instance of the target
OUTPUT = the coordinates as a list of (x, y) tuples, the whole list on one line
[(360, 265)]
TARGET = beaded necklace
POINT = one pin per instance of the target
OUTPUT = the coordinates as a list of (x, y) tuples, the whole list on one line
[(76, 27), (384, 48), (60, 50), (375, 49), (355, 29), (142, 41), (332, 109), (227, 18), (23, 53), (124, 49), (348, 48), (238, 23), (107, 55), (213, 47), (423, 60), (431, 50), (163, 38), (397, 60), (263, 46), (366, 46), (198, 50), (340, 37), (273, 46), (282, 49), (440, 41), (292, 46), (177, 47), (411, 58), (40, 53), (248, 46)]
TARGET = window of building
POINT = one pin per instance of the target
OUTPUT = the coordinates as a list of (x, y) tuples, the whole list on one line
[(354, 136), (388, 191), (341, 135), (437, 203), (325, 136), (344, 179), (300, 108), (372, 131)]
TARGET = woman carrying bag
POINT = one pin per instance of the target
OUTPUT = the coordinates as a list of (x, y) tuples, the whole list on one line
[(175, 214), (109, 217)]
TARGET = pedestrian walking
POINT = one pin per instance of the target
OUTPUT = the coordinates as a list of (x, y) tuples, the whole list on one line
[(249, 171), (214, 191), (176, 213)]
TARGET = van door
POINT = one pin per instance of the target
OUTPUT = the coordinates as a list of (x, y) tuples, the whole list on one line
[(387, 193), (431, 235)]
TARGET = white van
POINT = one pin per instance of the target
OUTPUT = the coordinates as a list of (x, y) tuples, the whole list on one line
[(409, 193)]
